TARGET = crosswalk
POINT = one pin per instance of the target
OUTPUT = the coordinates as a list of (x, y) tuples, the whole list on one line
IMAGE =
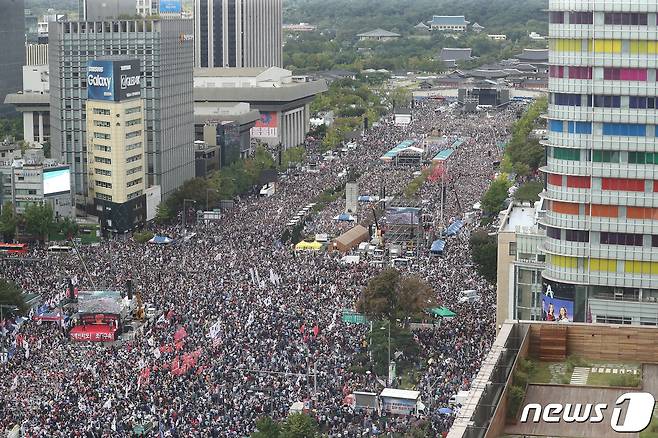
[(579, 376)]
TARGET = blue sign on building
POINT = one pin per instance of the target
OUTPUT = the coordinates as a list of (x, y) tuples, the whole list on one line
[(100, 80), (113, 79), (170, 6)]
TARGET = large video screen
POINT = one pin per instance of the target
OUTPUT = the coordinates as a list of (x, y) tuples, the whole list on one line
[(56, 181)]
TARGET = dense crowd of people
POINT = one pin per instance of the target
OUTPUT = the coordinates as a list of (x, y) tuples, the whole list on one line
[(246, 327)]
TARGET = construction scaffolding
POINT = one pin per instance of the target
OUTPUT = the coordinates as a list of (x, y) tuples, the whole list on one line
[(404, 224)]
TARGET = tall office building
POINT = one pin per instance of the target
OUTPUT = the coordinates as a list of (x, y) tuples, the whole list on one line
[(238, 33), (115, 143), (602, 163), (12, 50), (165, 51)]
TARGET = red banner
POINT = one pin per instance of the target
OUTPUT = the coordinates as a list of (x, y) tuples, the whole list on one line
[(93, 333)]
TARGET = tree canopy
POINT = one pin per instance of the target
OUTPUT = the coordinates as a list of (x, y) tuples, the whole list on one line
[(494, 198), (484, 250), (389, 295), (12, 297), (8, 222), (39, 220)]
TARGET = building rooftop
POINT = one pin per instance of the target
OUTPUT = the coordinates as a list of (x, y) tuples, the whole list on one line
[(379, 33), (455, 54), (279, 93), (448, 20), (533, 55), (421, 25)]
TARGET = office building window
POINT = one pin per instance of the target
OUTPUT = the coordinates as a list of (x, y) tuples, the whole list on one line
[(103, 172), (625, 18), (625, 129), (133, 110), (134, 158), (133, 134), (133, 146), (581, 17), (102, 111), (576, 236), (102, 160), (134, 182), (102, 148), (101, 135), (102, 123), (103, 184), (627, 239), (133, 122)]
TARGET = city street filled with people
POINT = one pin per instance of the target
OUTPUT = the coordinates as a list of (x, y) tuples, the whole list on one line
[(245, 325)]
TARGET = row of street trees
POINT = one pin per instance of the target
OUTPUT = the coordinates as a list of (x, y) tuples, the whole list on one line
[(236, 179), (38, 222)]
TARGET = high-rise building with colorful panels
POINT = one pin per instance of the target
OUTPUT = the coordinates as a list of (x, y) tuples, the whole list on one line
[(602, 162)]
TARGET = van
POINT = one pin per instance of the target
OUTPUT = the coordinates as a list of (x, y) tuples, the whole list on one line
[(400, 263), (378, 253), (468, 296), (460, 398), (350, 260), (394, 251)]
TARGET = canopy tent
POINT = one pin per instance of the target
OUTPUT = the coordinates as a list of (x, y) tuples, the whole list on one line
[(390, 155), (442, 312), (367, 198), (454, 228), (437, 247), (443, 155), (344, 217), (308, 246), (161, 240)]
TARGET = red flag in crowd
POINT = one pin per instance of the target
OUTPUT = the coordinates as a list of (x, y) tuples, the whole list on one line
[(316, 330), (302, 329), (180, 334)]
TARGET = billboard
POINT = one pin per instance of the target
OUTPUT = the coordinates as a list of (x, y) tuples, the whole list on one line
[(557, 302), (113, 80), (267, 126), (170, 6), (56, 181)]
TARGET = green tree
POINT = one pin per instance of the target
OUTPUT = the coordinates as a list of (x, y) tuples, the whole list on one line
[(389, 296), (11, 296), (8, 222), (39, 220), (68, 227), (163, 214), (379, 299), (299, 425), (484, 251), (266, 428), (494, 199), (143, 237), (529, 191)]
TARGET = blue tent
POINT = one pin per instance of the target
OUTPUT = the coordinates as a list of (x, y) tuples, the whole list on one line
[(344, 217), (454, 228), (437, 247), (160, 240), (445, 411)]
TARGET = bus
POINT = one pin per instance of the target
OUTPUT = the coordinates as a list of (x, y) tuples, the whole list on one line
[(57, 248), (13, 248)]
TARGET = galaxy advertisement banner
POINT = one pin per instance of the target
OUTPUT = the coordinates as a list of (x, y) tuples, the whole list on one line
[(113, 80), (267, 126)]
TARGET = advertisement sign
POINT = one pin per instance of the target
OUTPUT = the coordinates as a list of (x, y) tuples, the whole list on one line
[(170, 6), (267, 126), (56, 181), (113, 80), (399, 406), (557, 302)]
